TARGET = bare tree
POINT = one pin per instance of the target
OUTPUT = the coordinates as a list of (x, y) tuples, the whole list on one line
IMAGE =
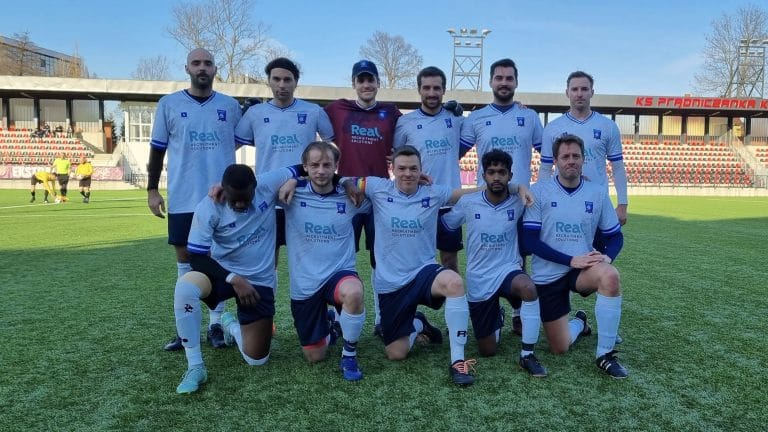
[(726, 72), (227, 29), (18, 58), (73, 68), (397, 60), (152, 69)]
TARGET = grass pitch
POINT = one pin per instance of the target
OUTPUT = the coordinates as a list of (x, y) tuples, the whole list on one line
[(88, 294)]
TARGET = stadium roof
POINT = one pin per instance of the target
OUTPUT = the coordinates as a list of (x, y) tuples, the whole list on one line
[(151, 91)]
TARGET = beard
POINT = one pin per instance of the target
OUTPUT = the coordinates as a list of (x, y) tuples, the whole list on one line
[(504, 99)]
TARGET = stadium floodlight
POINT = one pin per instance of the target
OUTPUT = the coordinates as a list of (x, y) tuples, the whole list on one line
[(467, 57), (749, 74)]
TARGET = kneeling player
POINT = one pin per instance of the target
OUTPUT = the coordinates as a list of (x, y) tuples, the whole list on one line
[(321, 255), (493, 260), (239, 235), (559, 229), (49, 183)]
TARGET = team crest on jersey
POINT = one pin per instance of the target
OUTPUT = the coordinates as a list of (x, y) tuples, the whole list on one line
[(588, 206), (382, 114), (222, 115), (521, 121), (596, 133), (487, 122), (448, 123), (301, 118), (183, 114), (263, 206), (477, 215), (553, 204), (418, 126), (266, 119), (303, 204), (511, 215), (341, 208), (425, 202)]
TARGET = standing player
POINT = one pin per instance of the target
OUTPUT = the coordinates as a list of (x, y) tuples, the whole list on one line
[(508, 126), (83, 173), (321, 256), (407, 274), (48, 179), (364, 129), (435, 133), (559, 229), (281, 128), (61, 167), (494, 265), (230, 248), (196, 127), (601, 136)]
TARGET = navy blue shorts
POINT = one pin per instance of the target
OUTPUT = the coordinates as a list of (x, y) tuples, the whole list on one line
[(309, 315), (179, 225), (447, 240), (398, 308), (554, 300), (362, 221), (485, 314), (280, 225), (264, 308), (599, 242)]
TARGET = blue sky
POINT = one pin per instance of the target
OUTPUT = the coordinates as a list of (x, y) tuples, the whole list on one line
[(631, 47)]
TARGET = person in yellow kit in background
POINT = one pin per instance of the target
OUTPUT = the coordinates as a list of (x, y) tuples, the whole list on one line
[(61, 167), (83, 174), (49, 183)]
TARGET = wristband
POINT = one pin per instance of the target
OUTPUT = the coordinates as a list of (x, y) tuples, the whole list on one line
[(229, 278), (361, 184)]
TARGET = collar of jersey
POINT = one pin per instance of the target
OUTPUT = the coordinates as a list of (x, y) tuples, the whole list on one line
[(323, 195), (493, 107), (375, 104), (426, 114), (575, 120), (186, 92), (418, 188), (282, 109), (578, 188), (485, 198)]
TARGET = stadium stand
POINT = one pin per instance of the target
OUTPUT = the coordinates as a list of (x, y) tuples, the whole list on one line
[(19, 147)]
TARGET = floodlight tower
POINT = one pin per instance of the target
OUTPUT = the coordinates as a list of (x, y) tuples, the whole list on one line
[(467, 57), (749, 74)]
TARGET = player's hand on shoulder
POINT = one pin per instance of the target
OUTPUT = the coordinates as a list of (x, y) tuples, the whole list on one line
[(525, 194), (425, 179), (454, 107), (286, 191), (353, 192), (216, 193), (156, 203)]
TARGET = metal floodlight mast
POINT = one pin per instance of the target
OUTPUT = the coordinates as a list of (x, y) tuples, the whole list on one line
[(467, 65), (750, 69)]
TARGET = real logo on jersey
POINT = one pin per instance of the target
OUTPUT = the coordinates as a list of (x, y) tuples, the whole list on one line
[(363, 131), (425, 202), (341, 208), (511, 215), (183, 114), (406, 223), (301, 118), (437, 143), (596, 133), (263, 206), (588, 206), (521, 121), (448, 123), (222, 114)]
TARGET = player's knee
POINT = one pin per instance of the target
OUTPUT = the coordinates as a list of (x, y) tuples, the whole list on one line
[(315, 355), (454, 286), (528, 292), (353, 297), (199, 280), (610, 282), (396, 351), (558, 348), (487, 347)]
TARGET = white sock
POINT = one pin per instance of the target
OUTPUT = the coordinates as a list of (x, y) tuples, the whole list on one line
[(608, 316), (457, 320), (531, 318), (214, 315), (418, 327), (575, 326), (376, 310), (351, 327), (182, 269), (515, 312), (186, 308)]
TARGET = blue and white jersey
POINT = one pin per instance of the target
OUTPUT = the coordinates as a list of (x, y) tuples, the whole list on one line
[(280, 135), (320, 238), (567, 222), (437, 138), (602, 140), (516, 131), (406, 230), (241, 242), (492, 248), (199, 140)]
